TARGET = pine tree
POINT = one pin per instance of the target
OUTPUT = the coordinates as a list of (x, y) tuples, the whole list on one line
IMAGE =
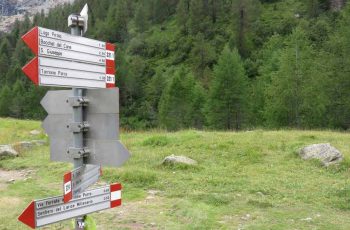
[(17, 102), (141, 17), (227, 96), (296, 95), (245, 13), (175, 108), (5, 101), (182, 15), (202, 55)]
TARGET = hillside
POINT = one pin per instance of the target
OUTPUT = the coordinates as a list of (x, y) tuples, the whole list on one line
[(12, 10), (244, 180), (211, 64)]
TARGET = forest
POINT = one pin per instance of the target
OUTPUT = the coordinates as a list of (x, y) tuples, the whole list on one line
[(206, 64)]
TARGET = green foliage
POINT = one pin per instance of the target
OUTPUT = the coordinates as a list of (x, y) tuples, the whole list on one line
[(156, 141), (179, 101), (291, 97), (227, 96), (293, 55)]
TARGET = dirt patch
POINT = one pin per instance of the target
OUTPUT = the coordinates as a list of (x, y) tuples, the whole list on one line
[(7, 177), (6, 202), (144, 214)]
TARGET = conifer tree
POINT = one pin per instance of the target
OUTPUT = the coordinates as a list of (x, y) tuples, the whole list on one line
[(175, 108), (296, 95), (227, 96), (5, 101)]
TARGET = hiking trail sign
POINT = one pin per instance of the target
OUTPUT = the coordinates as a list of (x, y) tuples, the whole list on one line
[(66, 60), (53, 209), (82, 123), (79, 179)]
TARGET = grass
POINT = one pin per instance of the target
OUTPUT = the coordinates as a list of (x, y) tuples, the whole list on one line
[(247, 180)]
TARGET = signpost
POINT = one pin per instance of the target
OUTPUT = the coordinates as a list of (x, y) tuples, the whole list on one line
[(79, 179), (82, 123), (69, 61), (53, 209)]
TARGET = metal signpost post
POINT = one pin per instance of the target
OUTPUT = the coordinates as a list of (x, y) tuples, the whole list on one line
[(82, 123), (76, 23)]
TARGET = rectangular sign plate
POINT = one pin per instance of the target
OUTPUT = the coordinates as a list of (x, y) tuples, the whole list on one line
[(79, 179), (53, 209), (69, 61)]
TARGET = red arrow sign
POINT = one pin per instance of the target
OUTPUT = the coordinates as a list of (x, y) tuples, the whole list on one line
[(28, 215), (31, 40), (31, 70)]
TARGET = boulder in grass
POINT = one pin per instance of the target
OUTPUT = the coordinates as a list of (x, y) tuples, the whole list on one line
[(324, 152), (7, 151), (172, 160)]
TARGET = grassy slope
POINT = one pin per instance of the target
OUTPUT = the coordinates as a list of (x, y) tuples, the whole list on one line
[(255, 173)]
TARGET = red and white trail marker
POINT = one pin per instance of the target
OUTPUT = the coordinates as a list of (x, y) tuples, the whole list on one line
[(69, 61), (79, 179), (51, 210)]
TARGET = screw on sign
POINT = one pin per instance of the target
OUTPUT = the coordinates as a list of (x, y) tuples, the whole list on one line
[(82, 123)]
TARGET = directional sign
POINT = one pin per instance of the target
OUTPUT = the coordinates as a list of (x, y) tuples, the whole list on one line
[(53, 209), (69, 61), (102, 115), (79, 179)]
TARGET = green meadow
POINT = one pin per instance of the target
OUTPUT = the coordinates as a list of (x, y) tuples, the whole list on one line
[(243, 180)]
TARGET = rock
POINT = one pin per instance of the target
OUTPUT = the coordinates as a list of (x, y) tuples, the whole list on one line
[(39, 142), (35, 132), (172, 159), (11, 181), (326, 153), (7, 151)]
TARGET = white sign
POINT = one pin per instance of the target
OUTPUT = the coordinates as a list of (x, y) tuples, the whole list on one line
[(51, 210), (79, 179), (69, 61)]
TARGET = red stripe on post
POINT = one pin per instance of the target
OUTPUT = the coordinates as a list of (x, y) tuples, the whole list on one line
[(110, 46), (115, 187), (110, 85), (66, 179), (110, 64), (116, 203), (110, 71)]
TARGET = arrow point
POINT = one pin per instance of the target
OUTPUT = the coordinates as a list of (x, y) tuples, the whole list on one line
[(27, 217), (31, 70), (31, 39)]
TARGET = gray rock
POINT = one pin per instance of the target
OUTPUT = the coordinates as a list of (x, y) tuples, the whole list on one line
[(172, 159), (35, 132), (324, 152), (7, 151)]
